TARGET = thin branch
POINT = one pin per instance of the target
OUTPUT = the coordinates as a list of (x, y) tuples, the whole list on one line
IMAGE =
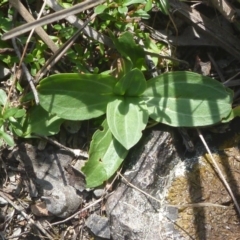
[(203, 204), (26, 72), (230, 79), (36, 224), (218, 70), (225, 9), (52, 18), (39, 30), (167, 57), (76, 22), (75, 152), (60, 52), (30, 35)]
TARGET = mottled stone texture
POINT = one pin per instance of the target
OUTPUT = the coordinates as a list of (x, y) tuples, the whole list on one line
[(132, 214), (193, 202)]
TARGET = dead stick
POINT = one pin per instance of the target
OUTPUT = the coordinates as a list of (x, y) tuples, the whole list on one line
[(225, 9), (26, 72), (39, 30), (61, 51), (25, 215), (52, 18)]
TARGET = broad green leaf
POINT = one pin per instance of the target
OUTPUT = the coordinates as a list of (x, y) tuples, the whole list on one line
[(141, 13), (127, 47), (66, 5), (122, 10), (126, 118), (148, 6), (27, 98), (9, 112), (105, 156), (20, 113), (129, 2), (163, 5), (187, 99), (131, 84), (75, 96), (7, 138), (13, 112), (100, 9), (234, 113), (15, 126), (39, 121), (3, 97)]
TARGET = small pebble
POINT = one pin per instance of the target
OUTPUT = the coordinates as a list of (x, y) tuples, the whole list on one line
[(98, 192), (99, 225), (3, 201)]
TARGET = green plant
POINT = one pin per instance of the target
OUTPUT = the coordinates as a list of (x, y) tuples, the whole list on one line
[(128, 101), (117, 15), (9, 120), (182, 99)]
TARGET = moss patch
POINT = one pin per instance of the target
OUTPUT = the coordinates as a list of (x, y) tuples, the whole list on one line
[(202, 185)]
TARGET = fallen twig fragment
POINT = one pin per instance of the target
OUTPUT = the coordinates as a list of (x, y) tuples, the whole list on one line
[(39, 30), (75, 152), (223, 38), (30, 220), (60, 52), (52, 18), (225, 9), (26, 72)]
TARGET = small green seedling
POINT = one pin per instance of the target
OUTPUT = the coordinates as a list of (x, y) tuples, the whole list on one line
[(9, 120)]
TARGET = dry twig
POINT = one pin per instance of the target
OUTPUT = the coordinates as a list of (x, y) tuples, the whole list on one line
[(225, 9), (204, 204), (36, 224), (26, 72), (61, 51), (39, 30), (52, 18)]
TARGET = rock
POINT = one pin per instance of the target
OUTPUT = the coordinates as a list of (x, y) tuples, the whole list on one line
[(132, 214), (192, 202), (99, 226), (47, 170), (3, 201), (4, 73), (98, 192), (62, 201)]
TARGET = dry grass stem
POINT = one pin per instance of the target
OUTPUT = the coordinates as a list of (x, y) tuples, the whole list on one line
[(220, 174)]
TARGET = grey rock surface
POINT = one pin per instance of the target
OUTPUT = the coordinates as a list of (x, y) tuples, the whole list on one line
[(99, 226), (98, 192), (132, 214), (3, 201), (190, 201), (47, 173), (4, 72)]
